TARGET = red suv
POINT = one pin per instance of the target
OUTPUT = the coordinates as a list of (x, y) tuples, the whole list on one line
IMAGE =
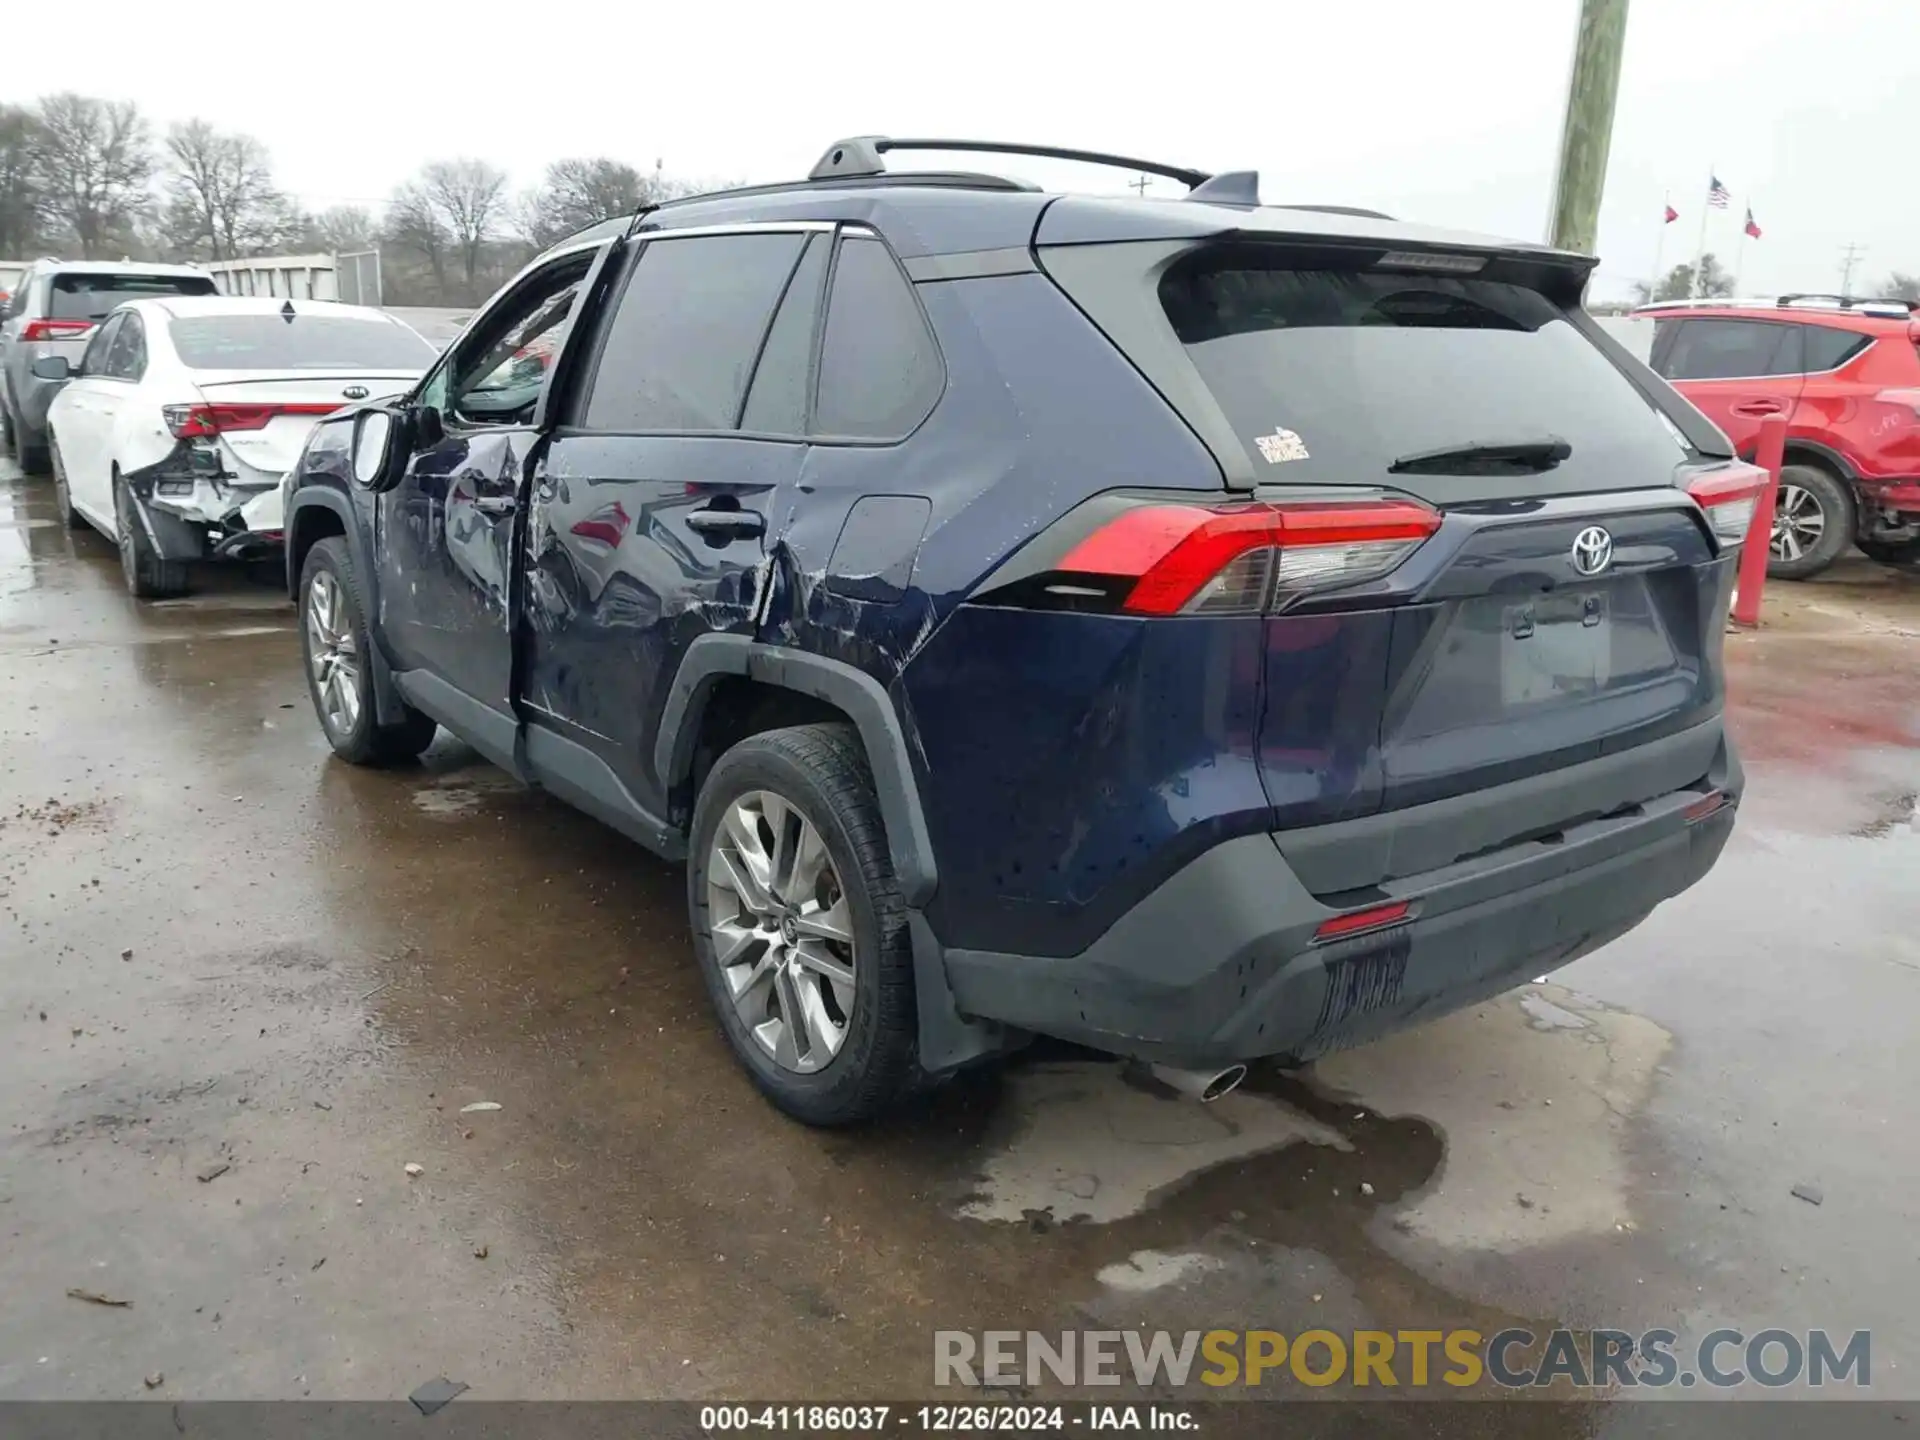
[(1846, 374)]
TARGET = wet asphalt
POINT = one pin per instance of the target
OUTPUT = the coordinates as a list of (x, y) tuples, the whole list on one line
[(243, 987)]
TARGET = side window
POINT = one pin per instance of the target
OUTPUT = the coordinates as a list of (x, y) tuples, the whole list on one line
[(777, 401), (94, 362), (128, 358), (1829, 349), (1732, 350), (682, 343), (497, 378), (880, 372), (123, 353)]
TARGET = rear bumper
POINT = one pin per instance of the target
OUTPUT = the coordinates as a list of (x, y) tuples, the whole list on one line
[(1219, 963)]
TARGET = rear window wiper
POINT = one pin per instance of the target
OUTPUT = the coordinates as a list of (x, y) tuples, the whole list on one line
[(1507, 457)]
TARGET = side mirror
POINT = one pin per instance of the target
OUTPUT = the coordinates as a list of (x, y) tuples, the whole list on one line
[(374, 450), (52, 367)]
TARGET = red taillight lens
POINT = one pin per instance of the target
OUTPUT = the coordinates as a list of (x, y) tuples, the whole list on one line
[(193, 422), (55, 330), (1235, 559), (1728, 495), (1356, 922)]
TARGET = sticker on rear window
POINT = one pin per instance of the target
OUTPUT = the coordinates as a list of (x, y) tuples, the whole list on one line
[(1281, 446)]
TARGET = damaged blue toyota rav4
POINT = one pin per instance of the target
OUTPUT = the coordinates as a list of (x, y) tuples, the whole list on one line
[(1199, 630)]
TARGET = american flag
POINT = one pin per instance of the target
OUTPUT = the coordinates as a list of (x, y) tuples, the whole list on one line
[(1717, 194)]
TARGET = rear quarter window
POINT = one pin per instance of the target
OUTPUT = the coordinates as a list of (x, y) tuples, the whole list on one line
[(880, 371), (1829, 349)]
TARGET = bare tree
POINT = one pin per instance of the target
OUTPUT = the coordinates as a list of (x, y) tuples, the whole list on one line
[(467, 197), (414, 225), (577, 193), (223, 202), (19, 181), (342, 229), (96, 159), (1900, 286)]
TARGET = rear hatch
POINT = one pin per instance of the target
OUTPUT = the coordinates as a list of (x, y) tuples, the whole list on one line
[(1566, 600), (268, 376), (78, 300)]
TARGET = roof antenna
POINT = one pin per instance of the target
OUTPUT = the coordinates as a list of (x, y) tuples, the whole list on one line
[(286, 312)]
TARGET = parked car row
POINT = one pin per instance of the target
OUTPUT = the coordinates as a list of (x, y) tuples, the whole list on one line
[(1198, 630), (170, 415), (1845, 373)]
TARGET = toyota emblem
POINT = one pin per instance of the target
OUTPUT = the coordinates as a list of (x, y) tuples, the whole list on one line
[(1592, 551), (355, 392)]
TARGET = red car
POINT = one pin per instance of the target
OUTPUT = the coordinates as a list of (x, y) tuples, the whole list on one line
[(1846, 374)]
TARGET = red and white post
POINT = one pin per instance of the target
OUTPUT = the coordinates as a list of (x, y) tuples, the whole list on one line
[(1768, 454)]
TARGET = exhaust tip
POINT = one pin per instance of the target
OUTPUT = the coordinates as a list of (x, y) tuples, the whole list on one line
[(1206, 1086), (1225, 1083)]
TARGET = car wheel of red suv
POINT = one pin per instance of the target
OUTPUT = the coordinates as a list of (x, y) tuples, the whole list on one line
[(1812, 523)]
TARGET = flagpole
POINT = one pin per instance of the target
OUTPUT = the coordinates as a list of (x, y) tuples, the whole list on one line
[(1740, 250), (1700, 253), (1660, 245)]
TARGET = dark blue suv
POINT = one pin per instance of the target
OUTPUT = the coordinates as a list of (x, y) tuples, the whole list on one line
[(1199, 630)]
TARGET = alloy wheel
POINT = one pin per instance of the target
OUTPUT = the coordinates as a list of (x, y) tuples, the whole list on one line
[(782, 931), (331, 652), (1798, 523)]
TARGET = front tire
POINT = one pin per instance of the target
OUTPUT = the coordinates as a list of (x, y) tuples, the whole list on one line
[(148, 577), (1813, 520), (799, 928), (338, 657)]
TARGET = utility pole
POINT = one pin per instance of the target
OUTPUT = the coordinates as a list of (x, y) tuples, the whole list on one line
[(1849, 257), (1139, 183), (1587, 133)]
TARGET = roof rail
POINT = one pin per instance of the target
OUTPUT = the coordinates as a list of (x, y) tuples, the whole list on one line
[(1853, 302), (860, 155)]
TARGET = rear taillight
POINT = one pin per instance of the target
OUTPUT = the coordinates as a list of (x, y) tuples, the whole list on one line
[(194, 422), (1728, 496), (1359, 922), (1908, 400), (1242, 559), (55, 330)]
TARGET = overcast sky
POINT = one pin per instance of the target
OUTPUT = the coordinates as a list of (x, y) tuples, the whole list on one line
[(1446, 111)]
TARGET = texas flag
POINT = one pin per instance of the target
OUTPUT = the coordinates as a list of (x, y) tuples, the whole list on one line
[(1672, 214), (1753, 229)]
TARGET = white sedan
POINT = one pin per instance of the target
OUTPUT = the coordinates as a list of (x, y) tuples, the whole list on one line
[(172, 436)]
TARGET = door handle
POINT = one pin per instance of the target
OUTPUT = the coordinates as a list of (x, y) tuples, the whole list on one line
[(730, 524), (494, 504), (1760, 407)]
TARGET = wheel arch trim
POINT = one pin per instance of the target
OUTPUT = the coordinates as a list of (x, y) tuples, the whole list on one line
[(858, 695)]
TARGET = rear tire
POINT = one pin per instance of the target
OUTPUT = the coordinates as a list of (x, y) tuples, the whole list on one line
[(792, 816), (1891, 552), (148, 577), (62, 497), (338, 656), (1813, 522)]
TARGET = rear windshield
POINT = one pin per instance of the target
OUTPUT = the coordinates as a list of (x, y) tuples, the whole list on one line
[(1331, 376), (306, 342), (91, 297)]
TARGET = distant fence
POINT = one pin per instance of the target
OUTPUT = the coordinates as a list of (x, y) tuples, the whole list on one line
[(353, 278)]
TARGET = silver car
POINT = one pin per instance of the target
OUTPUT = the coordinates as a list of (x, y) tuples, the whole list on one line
[(53, 311)]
